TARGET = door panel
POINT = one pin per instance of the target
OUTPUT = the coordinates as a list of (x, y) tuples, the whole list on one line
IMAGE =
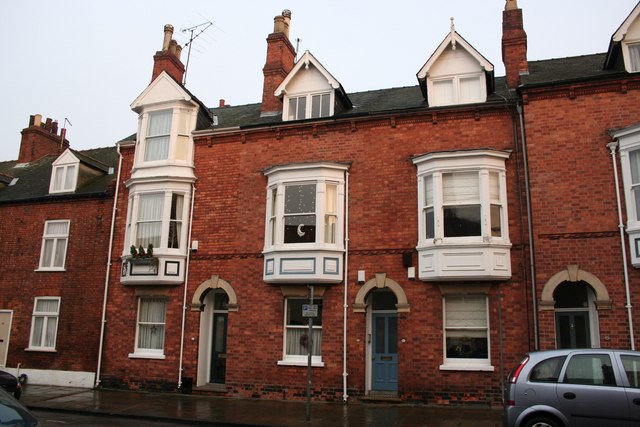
[(385, 352), (572, 330), (5, 330), (219, 348)]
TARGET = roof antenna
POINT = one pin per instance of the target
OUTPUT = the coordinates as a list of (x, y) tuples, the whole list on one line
[(191, 39), (63, 132)]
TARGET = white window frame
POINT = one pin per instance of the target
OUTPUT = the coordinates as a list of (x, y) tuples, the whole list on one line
[(300, 359), (150, 353), (488, 165), (56, 239), (465, 364), (166, 219), (457, 92), (47, 317), (63, 180), (631, 55), (329, 215), (156, 137), (308, 110)]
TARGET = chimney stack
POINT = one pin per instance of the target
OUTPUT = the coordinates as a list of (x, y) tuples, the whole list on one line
[(168, 59), (280, 60), (41, 139), (514, 44)]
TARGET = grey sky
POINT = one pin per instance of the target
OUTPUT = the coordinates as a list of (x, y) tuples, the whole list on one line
[(87, 61)]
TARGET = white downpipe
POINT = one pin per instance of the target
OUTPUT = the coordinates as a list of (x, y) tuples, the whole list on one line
[(345, 396), (186, 282), (612, 146), (107, 275)]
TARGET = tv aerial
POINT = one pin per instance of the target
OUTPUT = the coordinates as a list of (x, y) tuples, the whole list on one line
[(195, 31)]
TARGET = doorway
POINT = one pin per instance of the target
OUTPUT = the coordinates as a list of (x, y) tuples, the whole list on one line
[(218, 343), (575, 316), (384, 341)]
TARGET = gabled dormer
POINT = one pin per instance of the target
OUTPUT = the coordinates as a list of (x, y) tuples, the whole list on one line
[(624, 48), (310, 91), (456, 73), (72, 169)]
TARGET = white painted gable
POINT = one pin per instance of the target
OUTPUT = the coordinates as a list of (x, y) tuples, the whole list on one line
[(163, 90), (66, 158), (455, 62), (307, 75)]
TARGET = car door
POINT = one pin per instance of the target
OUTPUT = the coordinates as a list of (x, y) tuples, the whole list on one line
[(630, 369), (590, 393)]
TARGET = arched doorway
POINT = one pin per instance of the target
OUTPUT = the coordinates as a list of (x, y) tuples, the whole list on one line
[(381, 299), (575, 316)]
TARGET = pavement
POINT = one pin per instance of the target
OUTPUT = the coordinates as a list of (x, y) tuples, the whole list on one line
[(197, 409)]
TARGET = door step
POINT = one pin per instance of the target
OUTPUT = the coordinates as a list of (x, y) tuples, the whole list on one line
[(382, 396)]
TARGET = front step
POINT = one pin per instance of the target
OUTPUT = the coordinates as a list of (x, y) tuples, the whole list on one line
[(382, 396)]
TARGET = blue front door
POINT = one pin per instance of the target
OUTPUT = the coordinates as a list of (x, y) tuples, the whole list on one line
[(385, 351)]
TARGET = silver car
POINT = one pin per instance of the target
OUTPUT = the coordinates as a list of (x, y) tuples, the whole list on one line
[(574, 388)]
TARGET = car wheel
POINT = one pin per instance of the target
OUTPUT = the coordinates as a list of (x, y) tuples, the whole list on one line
[(542, 422)]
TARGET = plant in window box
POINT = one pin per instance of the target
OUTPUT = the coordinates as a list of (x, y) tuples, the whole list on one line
[(141, 257)]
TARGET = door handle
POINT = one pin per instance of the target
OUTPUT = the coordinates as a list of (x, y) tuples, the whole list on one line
[(636, 401), (569, 396)]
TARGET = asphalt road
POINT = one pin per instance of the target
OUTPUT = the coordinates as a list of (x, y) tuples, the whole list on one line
[(63, 419)]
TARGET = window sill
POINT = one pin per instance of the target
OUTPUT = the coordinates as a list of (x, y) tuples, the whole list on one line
[(146, 356), (314, 364), (49, 270), (41, 350), (466, 367)]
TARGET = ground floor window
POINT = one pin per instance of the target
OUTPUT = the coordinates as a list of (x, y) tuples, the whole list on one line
[(466, 332), (44, 323), (150, 329), (296, 333)]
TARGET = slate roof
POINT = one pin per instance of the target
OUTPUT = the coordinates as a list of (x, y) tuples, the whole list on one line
[(33, 178), (545, 72)]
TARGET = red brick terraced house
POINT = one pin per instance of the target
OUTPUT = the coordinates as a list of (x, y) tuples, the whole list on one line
[(56, 205), (409, 244)]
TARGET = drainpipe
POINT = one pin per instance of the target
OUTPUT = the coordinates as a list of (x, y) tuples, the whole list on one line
[(107, 275), (530, 228), (345, 396), (186, 281), (612, 147)]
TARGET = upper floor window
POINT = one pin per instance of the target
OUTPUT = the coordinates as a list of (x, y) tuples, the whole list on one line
[(64, 178), (304, 206), (156, 219), (456, 90), (54, 245), (44, 323), (464, 198), (309, 106), (634, 57), (158, 136)]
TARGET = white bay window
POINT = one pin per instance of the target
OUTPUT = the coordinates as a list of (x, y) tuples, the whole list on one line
[(463, 222), (304, 222)]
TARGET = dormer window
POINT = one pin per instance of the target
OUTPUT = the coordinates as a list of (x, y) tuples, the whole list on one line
[(64, 173), (634, 57), (310, 92), (309, 106), (624, 49), (455, 74)]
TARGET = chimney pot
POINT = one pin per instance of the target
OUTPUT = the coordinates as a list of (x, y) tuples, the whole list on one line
[(172, 47), (221, 104), (286, 14), (178, 51), (511, 5), (32, 119), (47, 125), (278, 24), (168, 34), (54, 127), (37, 120)]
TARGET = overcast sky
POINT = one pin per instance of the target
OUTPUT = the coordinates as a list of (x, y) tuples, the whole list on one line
[(86, 61)]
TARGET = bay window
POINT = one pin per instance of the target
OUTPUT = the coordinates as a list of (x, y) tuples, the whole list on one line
[(304, 222), (463, 215), (158, 136), (157, 219)]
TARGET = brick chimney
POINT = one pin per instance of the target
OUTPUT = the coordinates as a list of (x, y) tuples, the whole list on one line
[(168, 59), (280, 60), (514, 44), (41, 139)]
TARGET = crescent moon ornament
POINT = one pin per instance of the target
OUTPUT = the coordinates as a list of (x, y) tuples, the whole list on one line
[(299, 230)]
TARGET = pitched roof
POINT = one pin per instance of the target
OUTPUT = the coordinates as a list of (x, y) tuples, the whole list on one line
[(33, 178), (572, 69)]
